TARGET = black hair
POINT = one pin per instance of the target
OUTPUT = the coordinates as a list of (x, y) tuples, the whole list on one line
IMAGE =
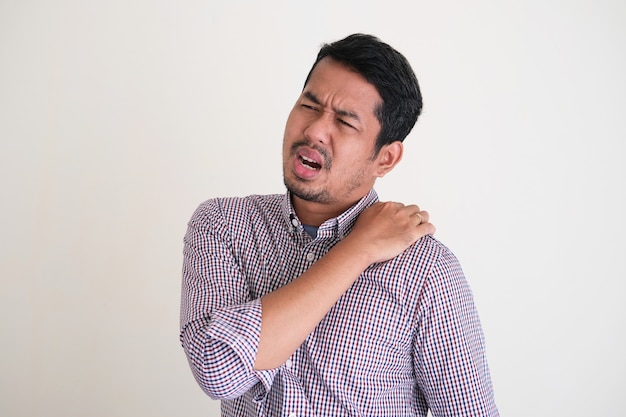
[(387, 70)]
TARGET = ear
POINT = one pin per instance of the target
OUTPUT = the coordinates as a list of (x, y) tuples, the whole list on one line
[(388, 157)]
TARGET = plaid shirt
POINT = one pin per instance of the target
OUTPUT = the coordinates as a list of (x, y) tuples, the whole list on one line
[(404, 337)]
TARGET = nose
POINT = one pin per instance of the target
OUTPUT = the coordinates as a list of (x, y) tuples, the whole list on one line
[(320, 128)]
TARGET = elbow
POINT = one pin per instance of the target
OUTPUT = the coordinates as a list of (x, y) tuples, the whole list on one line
[(217, 367), (219, 371), (222, 383)]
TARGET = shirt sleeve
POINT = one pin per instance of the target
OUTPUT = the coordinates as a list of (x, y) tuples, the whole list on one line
[(449, 350), (220, 324)]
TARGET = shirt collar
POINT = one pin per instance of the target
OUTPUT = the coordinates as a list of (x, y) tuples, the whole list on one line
[(339, 226)]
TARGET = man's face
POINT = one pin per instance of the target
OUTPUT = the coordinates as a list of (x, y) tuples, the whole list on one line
[(330, 136)]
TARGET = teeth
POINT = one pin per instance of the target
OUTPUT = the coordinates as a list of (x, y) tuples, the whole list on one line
[(314, 166)]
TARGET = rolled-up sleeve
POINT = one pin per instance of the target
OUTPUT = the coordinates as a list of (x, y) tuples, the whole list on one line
[(220, 324)]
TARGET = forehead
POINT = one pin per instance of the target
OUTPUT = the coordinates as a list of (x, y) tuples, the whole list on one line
[(337, 85)]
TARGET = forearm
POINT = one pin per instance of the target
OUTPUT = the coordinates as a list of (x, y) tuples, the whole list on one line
[(291, 312)]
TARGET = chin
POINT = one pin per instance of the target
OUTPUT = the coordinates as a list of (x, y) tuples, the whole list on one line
[(305, 193)]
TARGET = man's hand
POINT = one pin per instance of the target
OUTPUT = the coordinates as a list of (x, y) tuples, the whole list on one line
[(385, 230)]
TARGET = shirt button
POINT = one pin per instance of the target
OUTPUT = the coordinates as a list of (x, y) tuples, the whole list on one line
[(310, 256), (294, 222), (288, 364), (292, 415)]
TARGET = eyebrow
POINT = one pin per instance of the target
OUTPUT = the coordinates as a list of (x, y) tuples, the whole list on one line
[(340, 112)]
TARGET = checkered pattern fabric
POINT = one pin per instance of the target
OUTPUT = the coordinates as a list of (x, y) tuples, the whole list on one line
[(403, 339)]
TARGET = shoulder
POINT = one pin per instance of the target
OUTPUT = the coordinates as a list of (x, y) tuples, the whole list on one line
[(426, 255), (237, 218), (234, 208), (434, 253), (431, 267), (412, 274), (444, 279)]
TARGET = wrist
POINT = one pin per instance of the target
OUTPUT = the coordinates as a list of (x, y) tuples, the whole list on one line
[(358, 253)]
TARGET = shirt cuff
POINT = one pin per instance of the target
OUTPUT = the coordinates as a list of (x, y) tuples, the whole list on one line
[(240, 328)]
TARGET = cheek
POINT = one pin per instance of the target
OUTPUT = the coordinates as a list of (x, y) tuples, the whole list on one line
[(293, 121), (350, 153), (288, 134), (355, 162)]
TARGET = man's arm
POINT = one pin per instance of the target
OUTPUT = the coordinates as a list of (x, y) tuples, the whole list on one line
[(220, 325), (291, 312), (449, 350)]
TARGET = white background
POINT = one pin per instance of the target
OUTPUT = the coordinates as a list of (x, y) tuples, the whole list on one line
[(117, 118)]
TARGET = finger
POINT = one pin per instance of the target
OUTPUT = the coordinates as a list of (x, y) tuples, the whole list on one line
[(424, 216), (414, 211), (426, 229)]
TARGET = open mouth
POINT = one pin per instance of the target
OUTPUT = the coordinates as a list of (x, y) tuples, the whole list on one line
[(309, 163)]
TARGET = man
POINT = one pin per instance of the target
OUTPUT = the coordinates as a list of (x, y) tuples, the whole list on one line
[(324, 301)]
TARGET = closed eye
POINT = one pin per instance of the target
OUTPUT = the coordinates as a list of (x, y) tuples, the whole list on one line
[(309, 107), (343, 122)]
